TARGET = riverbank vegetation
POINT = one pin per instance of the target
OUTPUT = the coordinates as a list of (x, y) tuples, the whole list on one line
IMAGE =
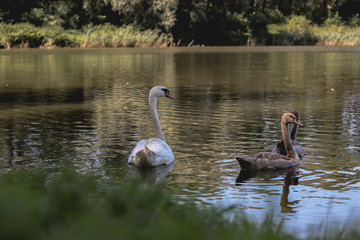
[(144, 23), (25, 35), (299, 31), (72, 206)]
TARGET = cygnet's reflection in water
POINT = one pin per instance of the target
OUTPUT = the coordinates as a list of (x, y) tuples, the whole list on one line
[(291, 178), (149, 176)]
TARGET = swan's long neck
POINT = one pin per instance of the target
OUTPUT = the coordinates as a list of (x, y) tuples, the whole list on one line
[(155, 117), (287, 142), (295, 127), (294, 131)]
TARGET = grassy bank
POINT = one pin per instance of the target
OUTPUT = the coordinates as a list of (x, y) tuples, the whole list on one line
[(25, 35), (315, 35), (128, 36), (337, 35), (298, 31), (70, 206)]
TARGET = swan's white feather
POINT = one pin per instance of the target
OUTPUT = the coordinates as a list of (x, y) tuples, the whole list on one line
[(151, 152)]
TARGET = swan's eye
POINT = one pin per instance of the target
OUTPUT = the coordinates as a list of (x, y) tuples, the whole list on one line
[(165, 90)]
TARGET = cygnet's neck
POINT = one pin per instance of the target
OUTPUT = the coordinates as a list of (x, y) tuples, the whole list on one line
[(287, 142)]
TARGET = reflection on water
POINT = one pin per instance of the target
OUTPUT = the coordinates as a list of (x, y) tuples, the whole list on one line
[(87, 109), (148, 177), (290, 178)]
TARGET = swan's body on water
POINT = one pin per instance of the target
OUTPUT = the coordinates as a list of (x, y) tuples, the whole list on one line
[(280, 147), (151, 152), (155, 151), (272, 160)]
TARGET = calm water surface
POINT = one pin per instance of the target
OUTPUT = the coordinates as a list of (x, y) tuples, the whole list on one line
[(86, 109)]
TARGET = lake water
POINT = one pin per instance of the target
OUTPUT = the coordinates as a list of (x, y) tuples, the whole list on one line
[(87, 108)]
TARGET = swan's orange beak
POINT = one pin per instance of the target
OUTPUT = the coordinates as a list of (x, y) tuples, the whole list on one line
[(298, 122), (167, 94)]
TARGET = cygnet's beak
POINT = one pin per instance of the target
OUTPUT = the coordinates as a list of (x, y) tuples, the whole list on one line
[(167, 94), (298, 122)]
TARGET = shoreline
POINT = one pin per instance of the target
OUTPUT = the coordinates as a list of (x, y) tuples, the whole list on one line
[(28, 36)]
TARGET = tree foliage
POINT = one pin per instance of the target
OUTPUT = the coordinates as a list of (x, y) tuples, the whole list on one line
[(146, 13), (209, 22)]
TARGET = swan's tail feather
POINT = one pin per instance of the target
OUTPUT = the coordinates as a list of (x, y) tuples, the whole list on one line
[(248, 163), (144, 157)]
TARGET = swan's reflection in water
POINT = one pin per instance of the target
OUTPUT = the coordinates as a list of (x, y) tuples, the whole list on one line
[(291, 178), (150, 176)]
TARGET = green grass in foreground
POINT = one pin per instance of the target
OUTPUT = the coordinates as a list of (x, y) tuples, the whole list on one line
[(70, 206)]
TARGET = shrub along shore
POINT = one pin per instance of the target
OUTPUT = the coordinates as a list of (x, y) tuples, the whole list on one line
[(25, 35), (323, 36), (295, 32), (299, 31)]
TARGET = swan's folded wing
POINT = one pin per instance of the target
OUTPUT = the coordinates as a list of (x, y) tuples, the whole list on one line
[(266, 160), (140, 146), (164, 154), (151, 152), (271, 156), (282, 164)]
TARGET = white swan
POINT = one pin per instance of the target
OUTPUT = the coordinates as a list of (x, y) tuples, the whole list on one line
[(154, 151)]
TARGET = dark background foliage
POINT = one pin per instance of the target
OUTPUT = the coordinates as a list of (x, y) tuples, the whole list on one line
[(209, 22)]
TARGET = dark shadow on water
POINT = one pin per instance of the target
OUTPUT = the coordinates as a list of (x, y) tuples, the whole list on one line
[(150, 176), (290, 178), (40, 97)]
